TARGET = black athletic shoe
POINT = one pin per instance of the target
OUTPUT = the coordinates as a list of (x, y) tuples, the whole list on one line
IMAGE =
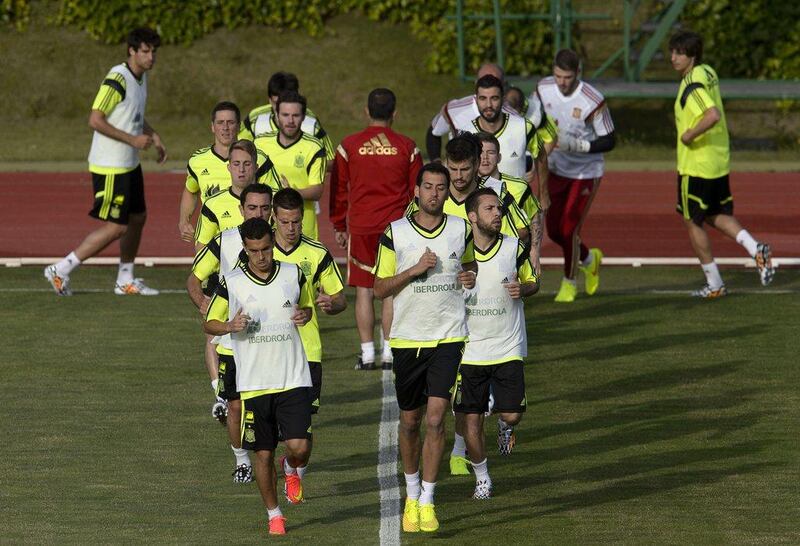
[(361, 365)]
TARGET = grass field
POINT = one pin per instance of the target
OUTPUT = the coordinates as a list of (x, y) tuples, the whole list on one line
[(653, 418)]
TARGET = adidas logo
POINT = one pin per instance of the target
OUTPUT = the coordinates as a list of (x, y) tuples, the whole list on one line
[(205, 171), (505, 280), (514, 154), (453, 256), (287, 304), (226, 214), (377, 145)]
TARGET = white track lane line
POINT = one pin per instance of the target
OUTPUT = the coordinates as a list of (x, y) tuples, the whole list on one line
[(387, 465)]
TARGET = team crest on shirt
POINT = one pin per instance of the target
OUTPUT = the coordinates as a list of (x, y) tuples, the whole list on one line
[(114, 212), (305, 267), (576, 113), (254, 326), (299, 161)]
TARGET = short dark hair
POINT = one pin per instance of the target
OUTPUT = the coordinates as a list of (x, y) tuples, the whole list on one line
[(567, 59), (254, 188), (465, 146), (474, 198), (291, 97), (689, 43), (246, 146), (381, 104), (483, 136), (255, 229), (226, 106), (287, 199), (515, 104), (282, 81), (436, 168), (143, 35), (487, 82)]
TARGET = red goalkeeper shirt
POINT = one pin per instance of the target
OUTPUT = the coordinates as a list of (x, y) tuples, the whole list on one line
[(373, 180)]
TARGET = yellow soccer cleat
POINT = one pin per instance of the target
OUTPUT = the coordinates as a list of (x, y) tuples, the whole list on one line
[(411, 516), (567, 292), (427, 518), (592, 273), (459, 466)]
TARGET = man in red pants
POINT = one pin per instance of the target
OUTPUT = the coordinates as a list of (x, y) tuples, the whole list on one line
[(373, 180), (585, 131)]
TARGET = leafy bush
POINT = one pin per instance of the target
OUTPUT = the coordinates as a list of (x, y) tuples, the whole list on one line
[(15, 13)]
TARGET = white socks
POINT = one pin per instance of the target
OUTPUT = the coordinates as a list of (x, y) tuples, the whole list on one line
[(459, 446), (214, 383), (368, 352), (241, 456), (288, 469), (571, 281), (426, 497), (412, 486), (274, 513), (125, 273), (65, 266), (588, 261), (481, 470), (713, 278), (387, 351), (747, 241)]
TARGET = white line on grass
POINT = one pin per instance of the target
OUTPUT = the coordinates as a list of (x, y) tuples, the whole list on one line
[(387, 464), (89, 290)]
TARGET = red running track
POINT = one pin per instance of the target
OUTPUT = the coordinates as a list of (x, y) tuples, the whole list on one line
[(633, 215)]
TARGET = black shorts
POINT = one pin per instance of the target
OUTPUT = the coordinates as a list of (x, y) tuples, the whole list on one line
[(423, 372), (226, 373), (263, 415), (507, 383), (315, 390), (699, 198), (117, 196)]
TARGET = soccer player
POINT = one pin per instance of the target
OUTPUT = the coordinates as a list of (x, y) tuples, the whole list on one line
[(374, 176), (423, 261), (516, 189), (456, 113), (322, 275), (262, 119), (261, 304), (576, 166), (704, 195), (120, 131), (516, 100), (493, 358), (221, 255), (207, 171), (293, 158), (222, 211)]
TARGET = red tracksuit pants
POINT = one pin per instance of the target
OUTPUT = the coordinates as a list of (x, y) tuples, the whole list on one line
[(570, 200)]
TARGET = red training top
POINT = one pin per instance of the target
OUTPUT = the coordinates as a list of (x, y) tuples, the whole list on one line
[(373, 180)]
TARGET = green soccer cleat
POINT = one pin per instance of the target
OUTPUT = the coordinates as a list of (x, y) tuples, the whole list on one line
[(427, 518), (567, 292), (592, 272), (459, 466), (411, 516)]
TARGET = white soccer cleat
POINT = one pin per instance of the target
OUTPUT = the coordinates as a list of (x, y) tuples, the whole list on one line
[(135, 288), (708, 293), (506, 439), (483, 490), (243, 473), (763, 258), (59, 283)]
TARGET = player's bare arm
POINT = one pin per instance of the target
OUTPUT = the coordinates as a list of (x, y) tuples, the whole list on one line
[(331, 304), (537, 233), (710, 118), (391, 286), (160, 148), (188, 204), (301, 316), (542, 173), (98, 122), (236, 324), (519, 290)]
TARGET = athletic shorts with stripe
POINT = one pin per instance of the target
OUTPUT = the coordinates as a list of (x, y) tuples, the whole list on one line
[(117, 196), (226, 375), (507, 384), (315, 390), (699, 198), (263, 415), (362, 251), (422, 372)]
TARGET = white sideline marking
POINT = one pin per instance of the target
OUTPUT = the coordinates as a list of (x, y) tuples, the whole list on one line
[(91, 290), (387, 464)]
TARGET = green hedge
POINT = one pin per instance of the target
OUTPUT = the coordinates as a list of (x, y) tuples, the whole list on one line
[(753, 39), (15, 13)]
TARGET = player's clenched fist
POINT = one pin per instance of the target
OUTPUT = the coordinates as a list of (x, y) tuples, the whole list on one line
[(514, 289), (426, 261), (238, 322), (301, 315), (467, 279)]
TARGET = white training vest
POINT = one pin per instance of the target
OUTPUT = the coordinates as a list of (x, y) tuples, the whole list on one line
[(127, 116), (461, 112), (431, 307), (581, 115), (498, 186), (496, 321), (269, 353), (513, 139), (230, 246)]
